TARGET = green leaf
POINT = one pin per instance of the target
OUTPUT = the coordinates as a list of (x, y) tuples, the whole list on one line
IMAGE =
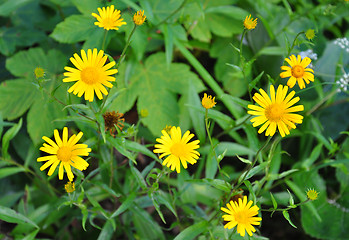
[(287, 216), (8, 136), (138, 176), (157, 207), (75, 28), (107, 231), (275, 204), (16, 98), (192, 231), (87, 6), (9, 7), (156, 86), (120, 145), (4, 172), (9, 215), (250, 189), (274, 51), (44, 125), (125, 205), (146, 227), (216, 183)]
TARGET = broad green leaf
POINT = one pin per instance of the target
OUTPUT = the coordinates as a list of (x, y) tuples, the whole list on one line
[(10, 134), (16, 97), (9, 215), (87, 7), (75, 28), (156, 87), (4, 172), (192, 231), (48, 110), (9, 6)]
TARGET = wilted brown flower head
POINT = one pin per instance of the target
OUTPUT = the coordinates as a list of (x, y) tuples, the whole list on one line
[(112, 120)]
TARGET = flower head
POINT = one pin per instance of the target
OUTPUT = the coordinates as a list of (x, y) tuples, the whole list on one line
[(90, 74), (69, 187), (343, 83), (241, 213), (39, 72), (207, 101), (65, 152), (178, 148), (144, 113), (139, 17), (312, 194), (112, 120), (298, 71), (276, 111), (250, 23), (108, 18), (310, 34)]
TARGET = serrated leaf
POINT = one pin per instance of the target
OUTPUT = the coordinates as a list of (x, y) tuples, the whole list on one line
[(74, 29), (16, 98), (155, 85)]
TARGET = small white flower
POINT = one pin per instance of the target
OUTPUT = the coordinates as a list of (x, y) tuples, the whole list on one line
[(343, 83)]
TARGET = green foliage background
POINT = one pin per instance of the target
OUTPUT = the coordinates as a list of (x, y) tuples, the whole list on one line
[(185, 48)]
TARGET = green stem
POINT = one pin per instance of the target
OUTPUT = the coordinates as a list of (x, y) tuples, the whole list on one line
[(211, 82), (209, 137), (285, 209), (250, 166), (104, 38), (321, 102), (122, 56)]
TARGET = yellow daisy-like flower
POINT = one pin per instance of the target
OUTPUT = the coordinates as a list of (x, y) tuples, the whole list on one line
[(65, 152), (312, 194), (178, 148), (241, 213), (139, 18), (69, 187), (310, 34), (250, 23), (276, 111), (108, 18), (298, 71), (207, 101), (90, 73)]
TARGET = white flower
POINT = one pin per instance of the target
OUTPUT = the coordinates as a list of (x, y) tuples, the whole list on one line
[(343, 83)]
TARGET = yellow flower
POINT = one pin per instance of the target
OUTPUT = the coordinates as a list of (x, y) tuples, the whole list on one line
[(144, 113), (250, 23), (64, 152), (241, 214), (91, 74), (276, 111), (310, 34), (178, 148), (139, 18), (298, 71), (312, 194), (108, 18), (39, 72), (207, 101), (69, 187)]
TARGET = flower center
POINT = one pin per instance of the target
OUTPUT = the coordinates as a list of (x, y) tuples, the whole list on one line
[(274, 112), (90, 75), (297, 71), (108, 22), (241, 217), (64, 154), (177, 149)]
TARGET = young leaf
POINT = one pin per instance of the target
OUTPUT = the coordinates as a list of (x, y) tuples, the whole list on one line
[(287, 216)]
